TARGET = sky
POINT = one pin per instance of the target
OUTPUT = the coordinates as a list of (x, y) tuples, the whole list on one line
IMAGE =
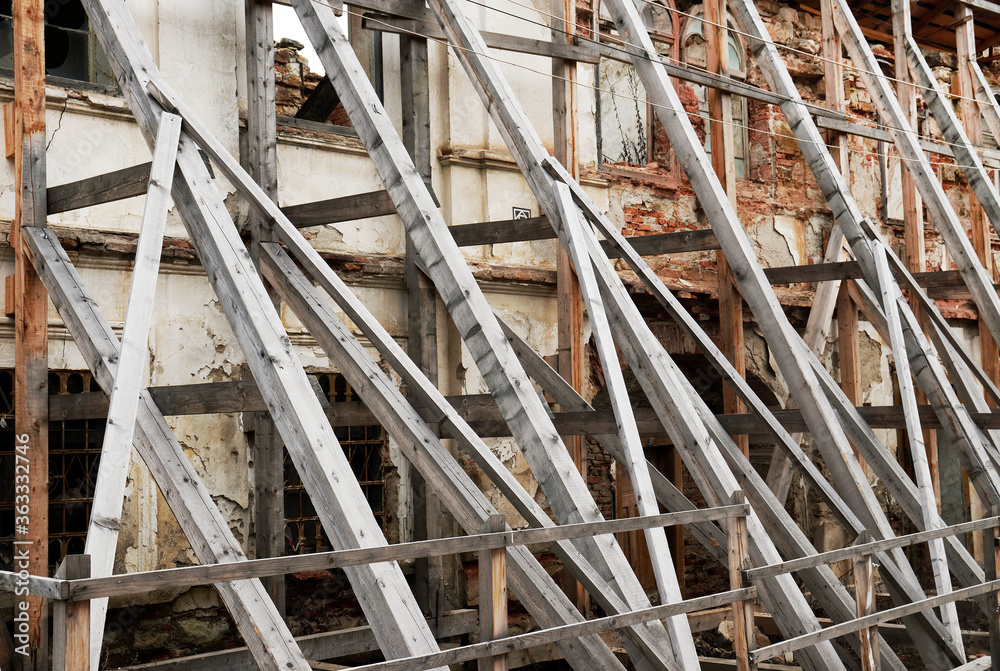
[(286, 24)]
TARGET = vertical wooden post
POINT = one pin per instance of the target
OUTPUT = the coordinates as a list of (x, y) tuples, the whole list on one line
[(864, 585), (421, 301), (848, 346), (31, 309), (965, 41), (914, 255), (570, 300), (261, 162), (720, 113), (743, 618), (493, 596), (991, 564), (71, 621)]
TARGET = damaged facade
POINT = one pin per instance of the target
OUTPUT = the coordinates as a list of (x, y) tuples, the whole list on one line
[(618, 151)]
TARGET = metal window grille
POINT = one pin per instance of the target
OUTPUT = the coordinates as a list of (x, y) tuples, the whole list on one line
[(365, 447), (74, 451)]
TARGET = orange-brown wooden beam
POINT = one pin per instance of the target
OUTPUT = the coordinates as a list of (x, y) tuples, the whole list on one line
[(30, 320), (720, 114)]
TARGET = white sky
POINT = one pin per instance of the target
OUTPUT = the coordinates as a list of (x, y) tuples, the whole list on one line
[(286, 24)]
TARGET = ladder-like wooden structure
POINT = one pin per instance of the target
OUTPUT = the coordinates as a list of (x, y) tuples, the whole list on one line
[(281, 263)]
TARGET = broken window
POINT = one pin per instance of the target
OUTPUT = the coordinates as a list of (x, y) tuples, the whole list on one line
[(693, 54), (366, 450), (624, 120), (74, 453), (72, 53)]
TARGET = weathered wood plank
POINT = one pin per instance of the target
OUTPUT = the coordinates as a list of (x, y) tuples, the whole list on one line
[(107, 188), (344, 208), (258, 154), (493, 597), (116, 450), (500, 41), (31, 310), (864, 588), (742, 611)]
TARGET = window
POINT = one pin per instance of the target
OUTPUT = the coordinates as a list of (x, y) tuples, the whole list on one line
[(693, 53), (624, 119), (365, 447), (71, 49), (74, 451)]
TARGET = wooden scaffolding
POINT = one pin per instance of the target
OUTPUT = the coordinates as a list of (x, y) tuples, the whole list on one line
[(746, 526)]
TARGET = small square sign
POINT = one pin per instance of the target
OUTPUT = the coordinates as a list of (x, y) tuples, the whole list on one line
[(522, 213)]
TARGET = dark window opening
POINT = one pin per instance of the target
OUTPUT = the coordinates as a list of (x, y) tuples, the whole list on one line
[(74, 453), (365, 447), (72, 52)]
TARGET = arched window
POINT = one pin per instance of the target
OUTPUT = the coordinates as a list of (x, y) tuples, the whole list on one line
[(624, 119), (693, 53)]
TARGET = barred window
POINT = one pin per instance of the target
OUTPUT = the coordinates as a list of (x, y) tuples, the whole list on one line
[(74, 453), (365, 447)]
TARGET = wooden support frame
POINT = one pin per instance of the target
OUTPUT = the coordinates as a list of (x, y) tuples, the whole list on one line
[(573, 236), (708, 189), (470, 47)]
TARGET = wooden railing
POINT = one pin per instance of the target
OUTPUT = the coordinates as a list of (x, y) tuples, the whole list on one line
[(72, 594), (73, 589)]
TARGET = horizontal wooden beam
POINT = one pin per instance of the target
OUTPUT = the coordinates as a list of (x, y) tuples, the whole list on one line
[(515, 43), (539, 228), (983, 5), (344, 208), (107, 188), (478, 409), (990, 157), (192, 576), (874, 547), (315, 126)]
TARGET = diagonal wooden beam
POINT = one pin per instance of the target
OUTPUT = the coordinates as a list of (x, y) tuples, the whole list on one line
[(116, 451), (262, 628), (572, 234)]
